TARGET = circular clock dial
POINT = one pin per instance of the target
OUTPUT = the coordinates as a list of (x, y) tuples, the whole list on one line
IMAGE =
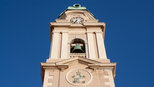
[(77, 20), (78, 77)]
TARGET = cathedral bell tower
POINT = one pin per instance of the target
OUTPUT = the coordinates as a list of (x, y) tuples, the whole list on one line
[(77, 57)]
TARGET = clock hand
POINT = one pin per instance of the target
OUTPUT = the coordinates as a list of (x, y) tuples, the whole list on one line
[(76, 21), (79, 21)]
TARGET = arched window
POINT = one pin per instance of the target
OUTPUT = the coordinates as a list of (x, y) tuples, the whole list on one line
[(77, 46)]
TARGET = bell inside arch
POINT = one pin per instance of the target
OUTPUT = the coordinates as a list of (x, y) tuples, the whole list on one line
[(77, 49)]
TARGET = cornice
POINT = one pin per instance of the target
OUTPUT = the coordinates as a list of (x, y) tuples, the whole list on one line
[(85, 24)]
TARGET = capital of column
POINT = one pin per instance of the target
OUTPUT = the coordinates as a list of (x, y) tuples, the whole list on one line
[(65, 32), (55, 32), (99, 32), (94, 32), (89, 32)]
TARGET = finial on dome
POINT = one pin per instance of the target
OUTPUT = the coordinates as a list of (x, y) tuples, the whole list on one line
[(76, 7)]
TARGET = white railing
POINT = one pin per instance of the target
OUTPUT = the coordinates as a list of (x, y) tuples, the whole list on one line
[(77, 55)]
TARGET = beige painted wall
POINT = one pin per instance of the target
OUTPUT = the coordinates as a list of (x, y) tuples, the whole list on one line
[(100, 77)]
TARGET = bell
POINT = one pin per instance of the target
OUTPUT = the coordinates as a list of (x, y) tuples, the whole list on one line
[(77, 49)]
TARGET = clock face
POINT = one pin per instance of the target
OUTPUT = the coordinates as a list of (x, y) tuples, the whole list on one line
[(79, 77), (77, 20)]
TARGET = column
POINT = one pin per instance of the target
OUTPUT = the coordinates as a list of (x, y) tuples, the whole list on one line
[(54, 50), (100, 45), (91, 47), (87, 53), (64, 45)]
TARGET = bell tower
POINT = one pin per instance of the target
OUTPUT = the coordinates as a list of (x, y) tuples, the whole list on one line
[(77, 54)]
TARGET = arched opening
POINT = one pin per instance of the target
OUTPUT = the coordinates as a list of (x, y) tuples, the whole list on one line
[(77, 46)]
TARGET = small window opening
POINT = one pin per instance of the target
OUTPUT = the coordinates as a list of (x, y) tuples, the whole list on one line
[(77, 46)]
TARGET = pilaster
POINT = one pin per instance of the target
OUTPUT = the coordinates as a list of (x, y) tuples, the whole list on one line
[(64, 45), (100, 45), (91, 47), (54, 52)]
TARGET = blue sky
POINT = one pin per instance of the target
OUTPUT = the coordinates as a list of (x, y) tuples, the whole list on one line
[(24, 38)]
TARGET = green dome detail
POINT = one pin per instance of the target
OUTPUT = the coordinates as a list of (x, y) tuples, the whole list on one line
[(76, 7)]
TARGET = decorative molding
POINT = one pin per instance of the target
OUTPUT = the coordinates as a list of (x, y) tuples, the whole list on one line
[(91, 77)]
